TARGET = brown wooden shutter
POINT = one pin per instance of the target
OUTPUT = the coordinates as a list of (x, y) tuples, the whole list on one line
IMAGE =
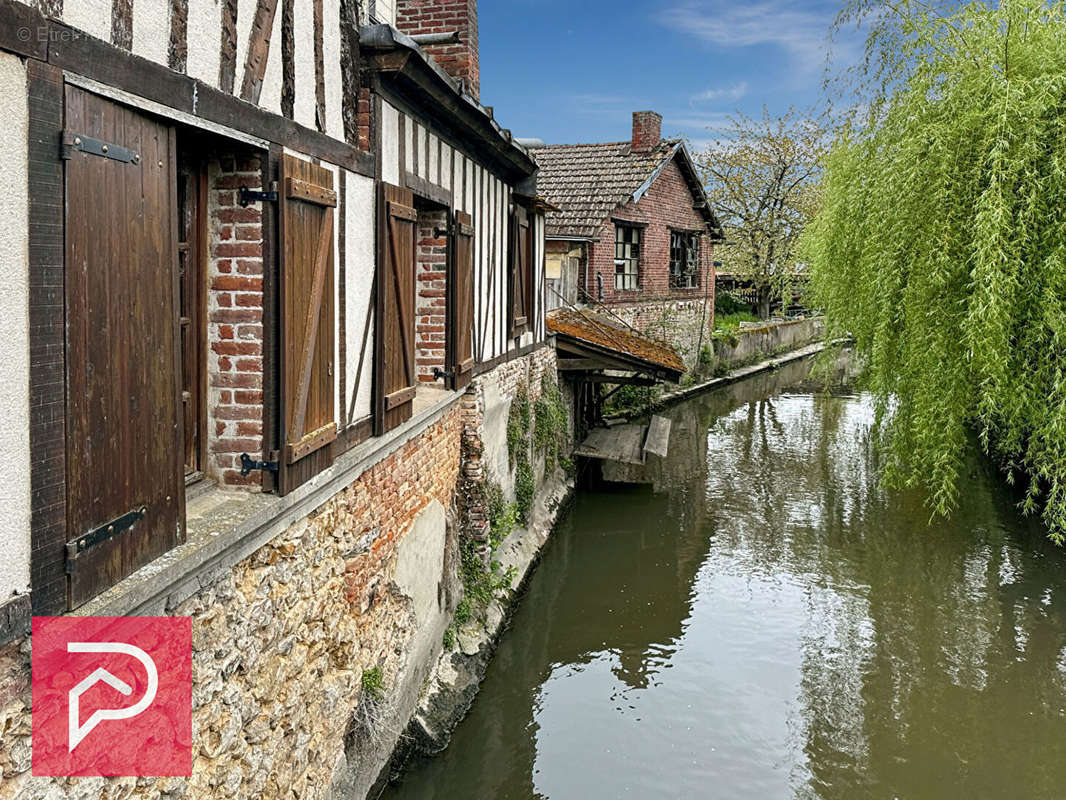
[(462, 300), (520, 271), (306, 221), (125, 487), (394, 339)]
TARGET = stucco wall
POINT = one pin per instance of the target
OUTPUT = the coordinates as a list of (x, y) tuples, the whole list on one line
[(359, 279), (749, 344), (14, 345)]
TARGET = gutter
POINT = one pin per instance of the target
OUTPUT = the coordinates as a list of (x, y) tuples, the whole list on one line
[(399, 62)]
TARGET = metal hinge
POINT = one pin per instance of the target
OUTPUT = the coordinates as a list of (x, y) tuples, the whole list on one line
[(248, 464), (75, 547), (439, 373), (77, 142), (246, 195)]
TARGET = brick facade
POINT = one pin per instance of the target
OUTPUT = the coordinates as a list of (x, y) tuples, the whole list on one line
[(430, 302), (461, 60), (235, 321), (667, 206)]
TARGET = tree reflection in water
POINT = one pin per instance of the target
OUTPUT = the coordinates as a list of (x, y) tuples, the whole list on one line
[(764, 620)]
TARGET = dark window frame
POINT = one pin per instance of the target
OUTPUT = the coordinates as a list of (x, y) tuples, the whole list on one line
[(684, 259), (628, 245)]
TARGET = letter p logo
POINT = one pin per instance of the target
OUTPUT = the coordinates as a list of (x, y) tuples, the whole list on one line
[(85, 673)]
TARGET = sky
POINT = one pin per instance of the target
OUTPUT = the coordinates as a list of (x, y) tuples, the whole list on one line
[(569, 71)]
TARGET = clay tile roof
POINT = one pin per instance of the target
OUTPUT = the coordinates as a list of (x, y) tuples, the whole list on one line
[(587, 181), (604, 333)]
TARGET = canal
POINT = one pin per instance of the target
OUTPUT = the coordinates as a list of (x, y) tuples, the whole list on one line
[(765, 621)]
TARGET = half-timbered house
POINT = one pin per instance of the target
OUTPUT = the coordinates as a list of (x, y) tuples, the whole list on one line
[(273, 275)]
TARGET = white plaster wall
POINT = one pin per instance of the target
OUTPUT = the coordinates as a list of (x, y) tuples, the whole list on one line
[(359, 277), (446, 168), (423, 160), (303, 26), (205, 40), (245, 18), (390, 144), (151, 29), (15, 344), (385, 11), (434, 158), (331, 56), (270, 95), (93, 17), (408, 137)]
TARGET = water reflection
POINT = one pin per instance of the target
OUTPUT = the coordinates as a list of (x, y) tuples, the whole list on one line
[(764, 620)]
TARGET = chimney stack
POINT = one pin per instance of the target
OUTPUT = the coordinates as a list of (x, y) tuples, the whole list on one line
[(419, 17), (647, 131)]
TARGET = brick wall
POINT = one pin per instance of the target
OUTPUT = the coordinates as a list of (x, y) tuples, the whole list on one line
[(279, 644), (444, 16), (431, 289), (666, 206), (235, 321)]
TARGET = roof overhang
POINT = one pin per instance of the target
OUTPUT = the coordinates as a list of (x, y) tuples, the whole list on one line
[(684, 161), (607, 345), (399, 65)]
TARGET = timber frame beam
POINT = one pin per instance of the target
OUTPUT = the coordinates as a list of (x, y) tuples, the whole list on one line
[(69, 49)]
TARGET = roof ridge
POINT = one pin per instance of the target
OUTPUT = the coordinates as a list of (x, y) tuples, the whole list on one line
[(583, 144)]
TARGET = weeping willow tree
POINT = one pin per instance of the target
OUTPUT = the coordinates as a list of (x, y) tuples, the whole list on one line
[(940, 243)]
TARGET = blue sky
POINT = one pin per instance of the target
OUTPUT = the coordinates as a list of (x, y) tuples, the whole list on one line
[(573, 70)]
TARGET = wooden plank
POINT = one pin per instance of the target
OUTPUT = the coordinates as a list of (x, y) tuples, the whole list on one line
[(227, 57), (258, 50), (397, 399), (178, 46), (307, 317), (312, 442), (48, 509), (273, 368), (657, 440), (581, 364), (123, 398), (323, 263), (122, 24), (621, 443), (395, 322), (320, 68), (310, 193), (288, 60)]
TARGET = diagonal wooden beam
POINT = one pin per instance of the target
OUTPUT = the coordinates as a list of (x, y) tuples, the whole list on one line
[(258, 50), (314, 309)]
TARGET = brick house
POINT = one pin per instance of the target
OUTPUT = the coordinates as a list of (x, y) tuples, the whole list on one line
[(272, 277), (634, 233)]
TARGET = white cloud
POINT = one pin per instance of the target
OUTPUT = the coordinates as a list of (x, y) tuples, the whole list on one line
[(800, 29), (734, 92)]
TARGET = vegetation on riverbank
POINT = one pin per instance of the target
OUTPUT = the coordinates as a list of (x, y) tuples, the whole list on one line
[(941, 244)]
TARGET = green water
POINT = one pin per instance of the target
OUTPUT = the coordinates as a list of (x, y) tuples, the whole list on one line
[(765, 621)]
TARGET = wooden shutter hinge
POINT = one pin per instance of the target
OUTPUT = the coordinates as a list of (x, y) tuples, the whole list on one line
[(97, 536), (439, 373), (80, 143), (246, 196), (248, 464)]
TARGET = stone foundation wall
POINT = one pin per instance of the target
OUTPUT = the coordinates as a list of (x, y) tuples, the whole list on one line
[(685, 325), (280, 642), (751, 343)]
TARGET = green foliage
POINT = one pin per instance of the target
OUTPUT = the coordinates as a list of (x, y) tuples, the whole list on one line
[(731, 322), (519, 419), (728, 303), (503, 516), (525, 488), (706, 356), (941, 242), (448, 642), (632, 400), (550, 422), (373, 682)]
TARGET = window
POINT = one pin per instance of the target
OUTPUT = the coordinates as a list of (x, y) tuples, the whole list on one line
[(684, 260), (626, 257)]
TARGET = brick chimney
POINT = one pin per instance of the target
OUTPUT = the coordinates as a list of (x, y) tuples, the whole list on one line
[(647, 131), (415, 17)]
